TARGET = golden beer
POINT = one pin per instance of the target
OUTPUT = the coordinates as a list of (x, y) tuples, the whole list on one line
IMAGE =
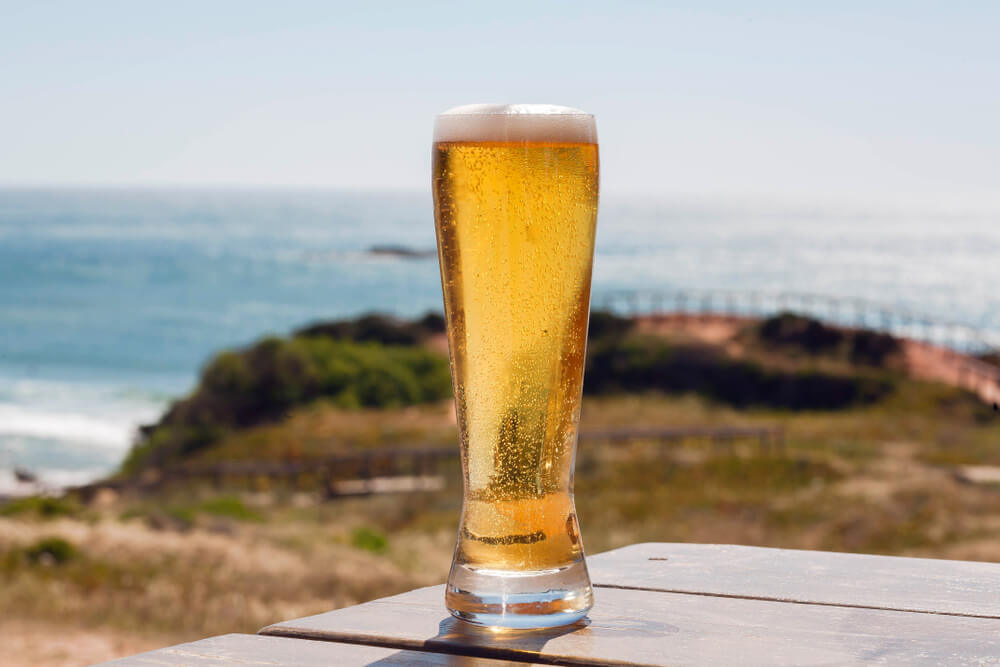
[(515, 192)]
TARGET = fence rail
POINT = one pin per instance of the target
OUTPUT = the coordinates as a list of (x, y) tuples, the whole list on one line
[(956, 343), (769, 439), (397, 469), (843, 311)]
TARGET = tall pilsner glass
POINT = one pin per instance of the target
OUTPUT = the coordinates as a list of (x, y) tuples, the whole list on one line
[(515, 204)]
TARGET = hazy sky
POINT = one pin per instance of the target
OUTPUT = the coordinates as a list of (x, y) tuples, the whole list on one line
[(847, 99)]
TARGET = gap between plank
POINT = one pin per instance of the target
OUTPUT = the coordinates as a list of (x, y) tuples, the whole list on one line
[(464, 650), (763, 598)]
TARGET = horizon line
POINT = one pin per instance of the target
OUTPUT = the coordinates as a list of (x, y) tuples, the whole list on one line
[(791, 198)]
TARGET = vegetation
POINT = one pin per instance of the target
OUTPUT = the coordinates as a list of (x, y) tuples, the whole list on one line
[(45, 507), (873, 463), (376, 328), (377, 362), (231, 507), (645, 363), (239, 389), (620, 361), (50, 551), (862, 346), (370, 540), (194, 561), (991, 358)]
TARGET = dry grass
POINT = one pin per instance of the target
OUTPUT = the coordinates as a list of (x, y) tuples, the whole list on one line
[(152, 571), (128, 579)]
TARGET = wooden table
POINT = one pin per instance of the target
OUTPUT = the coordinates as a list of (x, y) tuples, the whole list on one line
[(669, 604)]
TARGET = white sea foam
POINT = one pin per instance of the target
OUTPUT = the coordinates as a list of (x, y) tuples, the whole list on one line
[(67, 432), (29, 422), (515, 122)]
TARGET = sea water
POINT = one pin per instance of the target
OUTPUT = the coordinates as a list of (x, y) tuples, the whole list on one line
[(111, 300)]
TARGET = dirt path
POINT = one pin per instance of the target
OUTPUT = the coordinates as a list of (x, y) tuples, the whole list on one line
[(929, 362)]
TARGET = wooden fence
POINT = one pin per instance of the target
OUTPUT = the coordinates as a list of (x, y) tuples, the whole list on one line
[(842, 311), (396, 469), (956, 342), (770, 440)]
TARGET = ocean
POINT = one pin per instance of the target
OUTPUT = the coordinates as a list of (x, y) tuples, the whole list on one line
[(112, 299)]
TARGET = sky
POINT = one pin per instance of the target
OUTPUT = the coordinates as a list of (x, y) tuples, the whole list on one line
[(872, 100)]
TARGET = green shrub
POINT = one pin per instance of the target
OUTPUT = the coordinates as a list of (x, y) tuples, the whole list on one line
[(379, 329), (51, 551), (863, 346), (805, 332), (370, 540), (873, 348), (261, 384), (230, 507), (183, 517), (649, 363), (45, 507), (604, 324)]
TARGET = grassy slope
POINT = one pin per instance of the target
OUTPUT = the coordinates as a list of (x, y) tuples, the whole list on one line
[(278, 399)]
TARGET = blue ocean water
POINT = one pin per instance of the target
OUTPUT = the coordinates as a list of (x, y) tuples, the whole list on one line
[(111, 300)]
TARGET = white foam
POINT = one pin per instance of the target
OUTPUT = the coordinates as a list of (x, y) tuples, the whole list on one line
[(515, 122), (34, 423)]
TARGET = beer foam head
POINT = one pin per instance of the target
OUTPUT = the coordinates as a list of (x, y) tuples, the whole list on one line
[(515, 122)]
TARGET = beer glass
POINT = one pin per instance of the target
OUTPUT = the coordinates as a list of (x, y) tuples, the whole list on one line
[(515, 206)]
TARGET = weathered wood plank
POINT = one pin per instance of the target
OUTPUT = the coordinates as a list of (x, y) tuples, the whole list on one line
[(629, 627), (261, 650), (882, 582)]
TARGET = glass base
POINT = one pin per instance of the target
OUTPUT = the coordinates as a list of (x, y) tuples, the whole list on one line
[(519, 600)]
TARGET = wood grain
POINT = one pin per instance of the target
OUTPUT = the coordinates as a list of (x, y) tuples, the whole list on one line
[(260, 650), (632, 627), (881, 582)]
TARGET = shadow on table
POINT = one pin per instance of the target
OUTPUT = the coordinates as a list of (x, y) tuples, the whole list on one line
[(480, 647)]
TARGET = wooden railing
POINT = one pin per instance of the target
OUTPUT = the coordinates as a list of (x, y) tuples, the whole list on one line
[(957, 343), (769, 439), (842, 311), (397, 469)]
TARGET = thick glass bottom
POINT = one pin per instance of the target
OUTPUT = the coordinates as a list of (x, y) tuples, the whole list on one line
[(519, 600)]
